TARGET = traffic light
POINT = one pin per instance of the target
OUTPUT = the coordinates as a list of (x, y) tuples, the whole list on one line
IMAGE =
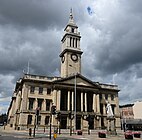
[(53, 110)]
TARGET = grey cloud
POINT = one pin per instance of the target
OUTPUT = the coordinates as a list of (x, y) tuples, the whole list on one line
[(34, 46), (34, 13), (120, 45), (111, 40)]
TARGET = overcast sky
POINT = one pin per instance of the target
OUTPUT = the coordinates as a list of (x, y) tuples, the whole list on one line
[(111, 30)]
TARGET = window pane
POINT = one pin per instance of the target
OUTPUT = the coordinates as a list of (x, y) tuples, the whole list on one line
[(40, 103), (32, 89), (106, 96), (46, 120), (48, 90), (31, 103), (47, 105), (72, 30), (40, 90), (112, 97), (29, 119)]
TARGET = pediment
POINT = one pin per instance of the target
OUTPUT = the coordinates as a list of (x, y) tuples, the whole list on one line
[(80, 81)]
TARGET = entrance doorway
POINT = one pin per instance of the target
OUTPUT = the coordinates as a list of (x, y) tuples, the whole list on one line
[(63, 124), (78, 122)]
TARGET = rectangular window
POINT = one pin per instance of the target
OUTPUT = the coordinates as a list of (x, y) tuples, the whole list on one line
[(106, 96), (76, 43), (31, 103), (29, 119), (40, 103), (48, 90), (32, 89), (112, 97), (46, 120), (40, 90), (47, 105), (70, 41), (38, 120), (72, 30)]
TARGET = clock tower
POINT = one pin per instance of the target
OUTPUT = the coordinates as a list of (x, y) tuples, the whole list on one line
[(71, 52)]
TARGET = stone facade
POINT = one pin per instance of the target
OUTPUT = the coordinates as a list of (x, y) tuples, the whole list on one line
[(72, 94)]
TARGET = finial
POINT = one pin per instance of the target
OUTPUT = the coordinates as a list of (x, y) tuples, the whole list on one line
[(71, 20), (71, 16), (71, 10)]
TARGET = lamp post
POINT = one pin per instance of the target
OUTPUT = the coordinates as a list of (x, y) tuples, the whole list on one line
[(71, 116), (74, 98)]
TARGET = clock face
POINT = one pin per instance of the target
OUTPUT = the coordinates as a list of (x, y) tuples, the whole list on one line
[(74, 57), (62, 59)]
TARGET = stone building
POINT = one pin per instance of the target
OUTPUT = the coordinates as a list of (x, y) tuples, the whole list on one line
[(126, 111), (80, 103), (131, 116)]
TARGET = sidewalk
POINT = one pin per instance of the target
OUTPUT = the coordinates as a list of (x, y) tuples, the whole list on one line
[(44, 136)]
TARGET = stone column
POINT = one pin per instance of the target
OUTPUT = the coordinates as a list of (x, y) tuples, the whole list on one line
[(24, 97), (94, 102), (17, 101), (85, 101), (98, 103), (68, 100), (54, 97), (116, 110), (28, 104), (72, 42), (81, 101), (79, 43), (67, 43), (58, 99), (104, 109), (72, 100)]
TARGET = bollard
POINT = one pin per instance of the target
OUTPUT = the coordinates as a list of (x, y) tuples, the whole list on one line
[(30, 131), (55, 136)]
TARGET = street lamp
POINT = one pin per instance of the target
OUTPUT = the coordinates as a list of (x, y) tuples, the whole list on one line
[(74, 97)]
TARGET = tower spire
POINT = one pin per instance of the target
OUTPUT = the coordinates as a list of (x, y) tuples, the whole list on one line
[(71, 20), (71, 16), (71, 52)]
